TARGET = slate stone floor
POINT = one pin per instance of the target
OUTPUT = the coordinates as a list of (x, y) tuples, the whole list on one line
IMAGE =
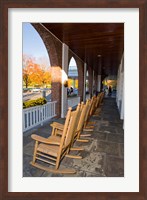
[(103, 155)]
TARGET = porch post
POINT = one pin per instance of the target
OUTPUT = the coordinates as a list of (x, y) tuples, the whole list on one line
[(99, 83), (99, 73), (64, 79), (120, 89), (84, 89)]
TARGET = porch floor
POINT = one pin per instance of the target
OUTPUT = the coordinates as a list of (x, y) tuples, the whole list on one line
[(103, 155)]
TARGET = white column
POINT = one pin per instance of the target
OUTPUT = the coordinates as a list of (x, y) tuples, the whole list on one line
[(84, 90), (99, 83), (120, 89), (122, 109), (64, 78), (118, 85)]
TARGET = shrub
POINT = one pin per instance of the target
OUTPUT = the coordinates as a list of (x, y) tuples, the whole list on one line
[(36, 102)]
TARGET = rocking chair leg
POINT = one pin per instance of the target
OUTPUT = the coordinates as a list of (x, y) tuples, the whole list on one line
[(86, 129), (79, 140), (73, 156), (85, 135), (76, 148), (35, 151)]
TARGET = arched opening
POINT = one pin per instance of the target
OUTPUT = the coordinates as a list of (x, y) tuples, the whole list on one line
[(72, 78), (110, 85), (36, 65)]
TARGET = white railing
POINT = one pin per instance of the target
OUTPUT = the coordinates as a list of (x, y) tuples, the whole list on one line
[(73, 101), (37, 115)]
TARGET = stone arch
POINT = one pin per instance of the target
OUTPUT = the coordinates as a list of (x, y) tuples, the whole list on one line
[(50, 44), (80, 67), (54, 49), (74, 80)]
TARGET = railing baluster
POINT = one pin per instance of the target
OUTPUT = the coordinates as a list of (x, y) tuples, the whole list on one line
[(54, 109), (24, 120), (33, 118), (30, 117), (37, 115), (27, 119), (49, 110)]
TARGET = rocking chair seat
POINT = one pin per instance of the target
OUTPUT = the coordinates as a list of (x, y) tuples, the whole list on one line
[(51, 140), (54, 140), (48, 149)]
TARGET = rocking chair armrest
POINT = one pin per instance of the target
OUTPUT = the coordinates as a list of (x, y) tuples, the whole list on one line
[(57, 125), (44, 140)]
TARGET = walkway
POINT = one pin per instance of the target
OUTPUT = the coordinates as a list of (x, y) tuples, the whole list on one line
[(103, 155)]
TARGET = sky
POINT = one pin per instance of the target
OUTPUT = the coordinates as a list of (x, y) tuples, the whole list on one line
[(33, 46), (72, 64)]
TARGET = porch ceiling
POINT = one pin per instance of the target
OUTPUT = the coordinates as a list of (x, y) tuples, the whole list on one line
[(88, 40)]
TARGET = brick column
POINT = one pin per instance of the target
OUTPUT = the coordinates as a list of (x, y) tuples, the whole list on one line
[(81, 79), (56, 87), (54, 49)]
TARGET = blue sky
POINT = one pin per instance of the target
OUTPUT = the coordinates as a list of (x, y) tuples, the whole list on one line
[(33, 45)]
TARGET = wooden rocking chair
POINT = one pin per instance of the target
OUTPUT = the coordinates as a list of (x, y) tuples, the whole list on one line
[(89, 125), (58, 128), (101, 98), (53, 149), (97, 109), (94, 110)]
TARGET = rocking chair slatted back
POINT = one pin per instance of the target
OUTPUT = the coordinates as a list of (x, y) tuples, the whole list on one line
[(82, 117), (93, 104), (97, 101), (88, 111), (72, 126)]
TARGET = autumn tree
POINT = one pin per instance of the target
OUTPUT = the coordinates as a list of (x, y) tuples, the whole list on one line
[(27, 71), (34, 74), (44, 76), (26, 78)]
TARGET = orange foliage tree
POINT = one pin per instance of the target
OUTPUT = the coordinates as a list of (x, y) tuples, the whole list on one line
[(34, 74), (27, 72), (44, 76)]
